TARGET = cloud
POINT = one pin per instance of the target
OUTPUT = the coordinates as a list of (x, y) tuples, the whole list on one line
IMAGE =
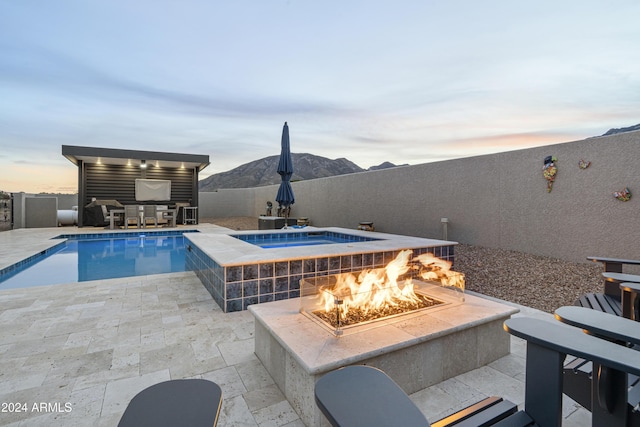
[(369, 81), (52, 71), (511, 140)]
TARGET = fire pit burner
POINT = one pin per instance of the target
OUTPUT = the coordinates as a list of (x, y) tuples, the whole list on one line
[(349, 300), (359, 316)]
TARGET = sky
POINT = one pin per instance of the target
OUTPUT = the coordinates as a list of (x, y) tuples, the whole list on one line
[(410, 82)]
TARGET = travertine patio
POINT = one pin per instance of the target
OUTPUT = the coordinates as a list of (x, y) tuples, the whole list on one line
[(94, 345)]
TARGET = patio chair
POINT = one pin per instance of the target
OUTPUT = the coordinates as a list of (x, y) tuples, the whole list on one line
[(361, 395), (131, 212), (187, 402), (613, 274), (619, 298), (111, 217), (626, 304), (149, 212), (579, 374)]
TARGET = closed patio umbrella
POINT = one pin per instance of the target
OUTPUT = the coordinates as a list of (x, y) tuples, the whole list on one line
[(285, 197)]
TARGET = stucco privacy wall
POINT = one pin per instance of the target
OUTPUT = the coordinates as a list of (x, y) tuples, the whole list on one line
[(497, 200), (226, 203)]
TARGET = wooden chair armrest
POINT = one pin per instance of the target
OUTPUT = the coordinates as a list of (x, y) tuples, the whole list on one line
[(621, 277), (488, 411), (599, 323), (630, 287), (618, 260), (567, 340), (613, 264)]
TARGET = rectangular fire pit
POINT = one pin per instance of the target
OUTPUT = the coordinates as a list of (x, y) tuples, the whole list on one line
[(359, 301), (417, 350), (324, 302)]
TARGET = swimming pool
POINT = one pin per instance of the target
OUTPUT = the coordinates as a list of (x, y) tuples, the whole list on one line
[(87, 257), (285, 240)]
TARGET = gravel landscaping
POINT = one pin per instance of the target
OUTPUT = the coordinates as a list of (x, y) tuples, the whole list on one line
[(535, 281)]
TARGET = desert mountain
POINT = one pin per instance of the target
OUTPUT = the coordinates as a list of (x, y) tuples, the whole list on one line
[(622, 130), (263, 171)]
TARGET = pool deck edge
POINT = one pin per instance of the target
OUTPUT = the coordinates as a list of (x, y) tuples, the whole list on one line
[(229, 251)]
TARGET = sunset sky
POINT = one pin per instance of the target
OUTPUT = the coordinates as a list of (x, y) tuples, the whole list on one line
[(412, 82)]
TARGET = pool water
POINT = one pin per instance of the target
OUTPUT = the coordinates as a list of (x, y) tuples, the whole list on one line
[(308, 242), (284, 240), (101, 258)]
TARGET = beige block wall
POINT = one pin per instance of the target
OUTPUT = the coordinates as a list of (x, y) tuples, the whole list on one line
[(498, 200), (41, 212), (226, 203)]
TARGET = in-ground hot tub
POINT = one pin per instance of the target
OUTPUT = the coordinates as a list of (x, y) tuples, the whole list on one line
[(238, 273), (300, 238)]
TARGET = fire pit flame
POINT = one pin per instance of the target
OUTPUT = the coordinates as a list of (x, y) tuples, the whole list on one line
[(382, 292)]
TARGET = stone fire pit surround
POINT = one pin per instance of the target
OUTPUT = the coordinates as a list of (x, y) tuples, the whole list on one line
[(416, 352)]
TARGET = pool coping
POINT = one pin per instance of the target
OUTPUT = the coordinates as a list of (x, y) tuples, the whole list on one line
[(229, 251)]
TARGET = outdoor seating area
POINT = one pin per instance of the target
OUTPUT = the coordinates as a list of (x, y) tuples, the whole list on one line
[(141, 216), (126, 186), (363, 395)]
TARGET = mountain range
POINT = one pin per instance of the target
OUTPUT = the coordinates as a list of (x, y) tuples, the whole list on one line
[(622, 130), (262, 172)]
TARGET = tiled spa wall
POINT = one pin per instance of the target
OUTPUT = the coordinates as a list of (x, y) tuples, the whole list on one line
[(236, 287)]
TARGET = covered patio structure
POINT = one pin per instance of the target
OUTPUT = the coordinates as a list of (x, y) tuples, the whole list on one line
[(116, 174)]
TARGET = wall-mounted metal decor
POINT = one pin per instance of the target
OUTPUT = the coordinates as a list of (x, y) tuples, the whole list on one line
[(549, 171), (623, 196), (583, 164)]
